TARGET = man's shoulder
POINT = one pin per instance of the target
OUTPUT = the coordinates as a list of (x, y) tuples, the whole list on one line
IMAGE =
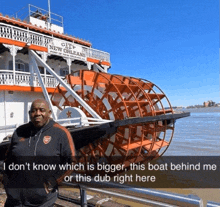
[(59, 127), (64, 135), (24, 129)]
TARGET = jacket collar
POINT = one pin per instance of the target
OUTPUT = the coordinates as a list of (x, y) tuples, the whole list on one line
[(43, 128)]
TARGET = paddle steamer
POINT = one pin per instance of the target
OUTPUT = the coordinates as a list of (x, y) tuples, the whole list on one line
[(106, 114), (43, 32)]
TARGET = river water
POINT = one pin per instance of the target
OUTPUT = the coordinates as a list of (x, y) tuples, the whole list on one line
[(197, 135)]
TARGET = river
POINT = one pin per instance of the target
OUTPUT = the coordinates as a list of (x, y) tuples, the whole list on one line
[(197, 135)]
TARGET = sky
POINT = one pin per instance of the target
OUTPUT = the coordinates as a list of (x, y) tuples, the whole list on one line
[(172, 43)]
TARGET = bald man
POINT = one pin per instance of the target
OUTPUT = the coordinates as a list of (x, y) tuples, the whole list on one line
[(40, 141), (39, 113)]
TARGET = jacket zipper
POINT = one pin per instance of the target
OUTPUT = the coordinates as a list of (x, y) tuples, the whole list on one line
[(35, 150), (29, 144)]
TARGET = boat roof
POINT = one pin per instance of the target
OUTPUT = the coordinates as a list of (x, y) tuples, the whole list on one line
[(29, 25)]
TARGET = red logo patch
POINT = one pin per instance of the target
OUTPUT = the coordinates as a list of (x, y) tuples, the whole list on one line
[(22, 139), (46, 139)]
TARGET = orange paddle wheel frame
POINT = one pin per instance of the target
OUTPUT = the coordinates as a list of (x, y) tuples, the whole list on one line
[(116, 97)]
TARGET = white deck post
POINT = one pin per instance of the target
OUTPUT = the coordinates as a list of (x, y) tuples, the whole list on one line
[(44, 57), (69, 63), (13, 51), (31, 69)]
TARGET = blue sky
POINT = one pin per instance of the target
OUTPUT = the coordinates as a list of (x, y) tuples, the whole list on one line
[(172, 43)]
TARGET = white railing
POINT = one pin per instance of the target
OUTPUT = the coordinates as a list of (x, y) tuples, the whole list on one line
[(28, 36), (97, 54), (24, 35), (24, 79)]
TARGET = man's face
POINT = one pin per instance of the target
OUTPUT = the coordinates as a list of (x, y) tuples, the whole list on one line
[(39, 114)]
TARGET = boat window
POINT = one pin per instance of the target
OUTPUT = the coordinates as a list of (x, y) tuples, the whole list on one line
[(64, 71), (41, 69), (19, 66)]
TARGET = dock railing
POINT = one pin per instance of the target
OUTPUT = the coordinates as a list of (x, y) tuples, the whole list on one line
[(145, 196)]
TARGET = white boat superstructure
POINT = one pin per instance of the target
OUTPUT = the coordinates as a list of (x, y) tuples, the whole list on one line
[(38, 43)]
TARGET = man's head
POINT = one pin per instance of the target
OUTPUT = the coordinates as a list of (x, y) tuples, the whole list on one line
[(39, 113)]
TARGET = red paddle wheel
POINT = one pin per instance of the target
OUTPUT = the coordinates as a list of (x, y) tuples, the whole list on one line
[(116, 97)]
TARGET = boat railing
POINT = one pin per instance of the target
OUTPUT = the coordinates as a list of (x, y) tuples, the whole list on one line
[(24, 35), (37, 12), (25, 79), (97, 54), (35, 38), (54, 18)]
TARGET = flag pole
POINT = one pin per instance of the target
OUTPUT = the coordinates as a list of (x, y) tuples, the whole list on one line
[(49, 11)]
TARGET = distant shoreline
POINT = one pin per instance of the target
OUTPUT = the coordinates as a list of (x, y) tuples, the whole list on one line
[(200, 110)]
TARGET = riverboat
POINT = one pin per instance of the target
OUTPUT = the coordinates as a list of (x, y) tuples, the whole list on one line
[(123, 115)]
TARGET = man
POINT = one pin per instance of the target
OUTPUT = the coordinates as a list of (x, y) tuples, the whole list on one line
[(42, 141)]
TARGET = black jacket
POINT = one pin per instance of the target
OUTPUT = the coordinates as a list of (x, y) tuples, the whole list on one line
[(32, 151)]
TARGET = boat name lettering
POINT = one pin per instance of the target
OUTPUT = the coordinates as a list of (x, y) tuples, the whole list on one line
[(74, 52), (65, 49), (59, 49), (67, 45)]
